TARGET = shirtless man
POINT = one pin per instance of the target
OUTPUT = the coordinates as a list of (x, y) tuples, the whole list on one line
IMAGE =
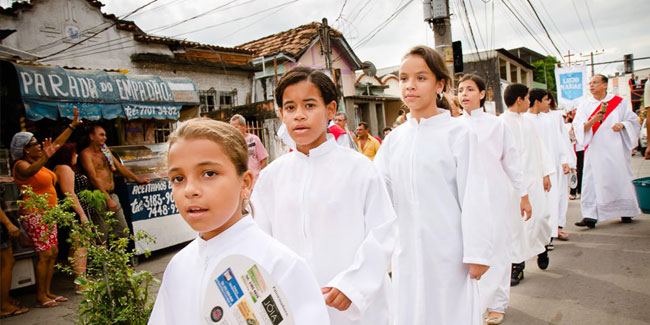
[(100, 173)]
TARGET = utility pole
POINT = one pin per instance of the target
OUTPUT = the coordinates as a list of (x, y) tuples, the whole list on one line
[(568, 56), (436, 13), (591, 55), (325, 41)]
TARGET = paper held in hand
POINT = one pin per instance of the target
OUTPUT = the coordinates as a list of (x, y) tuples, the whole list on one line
[(241, 292)]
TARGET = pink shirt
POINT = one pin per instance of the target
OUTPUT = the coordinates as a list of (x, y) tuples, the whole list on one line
[(256, 153)]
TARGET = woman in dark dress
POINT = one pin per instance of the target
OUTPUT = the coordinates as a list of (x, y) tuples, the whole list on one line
[(71, 182)]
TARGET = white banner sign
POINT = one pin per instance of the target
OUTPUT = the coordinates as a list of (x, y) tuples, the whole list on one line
[(572, 84)]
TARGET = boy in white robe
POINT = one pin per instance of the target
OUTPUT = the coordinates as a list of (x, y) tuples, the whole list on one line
[(328, 204), (607, 189), (498, 154), (528, 238), (438, 188), (210, 185), (550, 128)]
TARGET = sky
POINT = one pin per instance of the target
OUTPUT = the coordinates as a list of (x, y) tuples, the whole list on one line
[(381, 31)]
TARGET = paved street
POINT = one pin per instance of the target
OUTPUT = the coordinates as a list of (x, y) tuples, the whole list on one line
[(600, 276)]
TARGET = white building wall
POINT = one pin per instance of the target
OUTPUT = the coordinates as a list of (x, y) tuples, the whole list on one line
[(51, 21)]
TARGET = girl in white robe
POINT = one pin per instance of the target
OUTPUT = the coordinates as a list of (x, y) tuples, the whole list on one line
[(210, 185), (499, 156), (438, 190), (328, 203), (529, 238)]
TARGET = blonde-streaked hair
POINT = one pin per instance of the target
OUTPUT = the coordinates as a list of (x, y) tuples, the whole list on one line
[(227, 136)]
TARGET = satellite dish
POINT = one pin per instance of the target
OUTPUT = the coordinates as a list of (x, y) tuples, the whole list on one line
[(369, 69)]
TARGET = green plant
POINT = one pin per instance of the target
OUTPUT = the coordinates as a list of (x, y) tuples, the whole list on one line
[(113, 292)]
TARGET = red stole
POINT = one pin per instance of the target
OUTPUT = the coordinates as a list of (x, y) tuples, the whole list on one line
[(611, 106)]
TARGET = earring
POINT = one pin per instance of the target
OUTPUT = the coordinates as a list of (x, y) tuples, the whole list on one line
[(439, 96), (244, 204)]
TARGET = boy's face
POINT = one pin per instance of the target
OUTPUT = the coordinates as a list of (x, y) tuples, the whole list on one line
[(305, 115), (205, 185)]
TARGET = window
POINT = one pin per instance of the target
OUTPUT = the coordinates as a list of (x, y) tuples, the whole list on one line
[(227, 99), (208, 100), (513, 73), (503, 69), (524, 77), (161, 132)]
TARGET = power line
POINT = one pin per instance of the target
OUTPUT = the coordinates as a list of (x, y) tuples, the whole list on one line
[(96, 33), (237, 19), (382, 25), (557, 30), (592, 25), (120, 17), (341, 11), (524, 25), (581, 24), (478, 55), (546, 31), (168, 26), (92, 49), (478, 31)]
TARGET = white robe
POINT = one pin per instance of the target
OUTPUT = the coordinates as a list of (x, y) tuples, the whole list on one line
[(332, 208), (550, 129), (607, 189), (564, 179), (438, 189), (500, 159), (180, 298), (530, 237)]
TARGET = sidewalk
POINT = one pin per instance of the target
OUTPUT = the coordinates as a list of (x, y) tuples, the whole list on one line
[(599, 276)]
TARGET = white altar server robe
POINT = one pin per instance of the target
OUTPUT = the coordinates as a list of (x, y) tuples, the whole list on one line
[(550, 130), (181, 295), (530, 237), (438, 189), (500, 159), (607, 189), (332, 208)]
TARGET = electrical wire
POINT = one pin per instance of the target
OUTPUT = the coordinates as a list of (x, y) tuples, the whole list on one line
[(545, 30), (581, 24), (557, 30), (97, 48), (478, 30), (238, 19), (508, 6), (96, 33), (592, 25), (381, 25)]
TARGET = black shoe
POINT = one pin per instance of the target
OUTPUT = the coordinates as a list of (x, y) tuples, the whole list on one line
[(542, 260), (517, 273), (626, 219), (586, 223)]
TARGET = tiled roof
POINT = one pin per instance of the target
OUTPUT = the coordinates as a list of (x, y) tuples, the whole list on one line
[(292, 42), (127, 25)]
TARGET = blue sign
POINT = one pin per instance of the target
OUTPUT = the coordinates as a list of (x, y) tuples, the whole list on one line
[(229, 287), (48, 92), (571, 85), (151, 200)]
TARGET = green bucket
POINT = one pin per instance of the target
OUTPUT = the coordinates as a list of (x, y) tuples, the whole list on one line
[(642, 187)]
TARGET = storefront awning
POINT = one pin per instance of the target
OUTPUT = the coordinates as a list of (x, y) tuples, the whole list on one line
[(50, 92)]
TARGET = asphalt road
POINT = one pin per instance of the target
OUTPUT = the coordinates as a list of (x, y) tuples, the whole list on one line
[(599, 276)]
